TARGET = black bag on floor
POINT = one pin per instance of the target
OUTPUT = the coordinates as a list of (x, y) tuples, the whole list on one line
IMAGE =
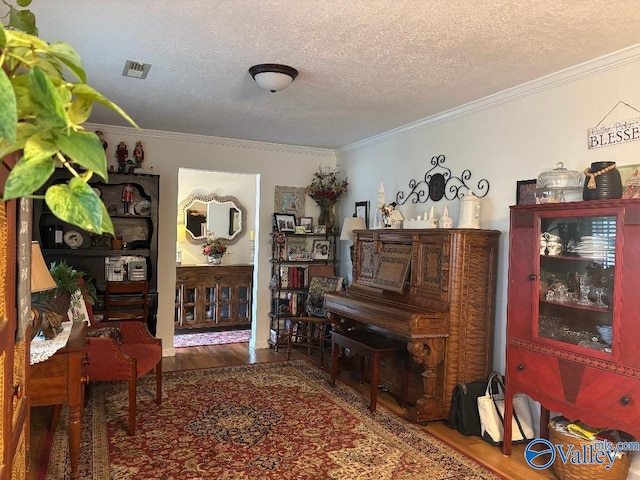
[(463, 414)]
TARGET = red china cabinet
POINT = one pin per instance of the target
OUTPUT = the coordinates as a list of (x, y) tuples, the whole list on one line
[(573, 314)]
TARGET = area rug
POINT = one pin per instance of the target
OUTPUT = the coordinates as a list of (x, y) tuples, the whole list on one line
[(211, 338), (280, 420)]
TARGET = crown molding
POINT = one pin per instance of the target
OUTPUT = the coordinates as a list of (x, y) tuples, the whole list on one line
[(568, 75), (210, 140)]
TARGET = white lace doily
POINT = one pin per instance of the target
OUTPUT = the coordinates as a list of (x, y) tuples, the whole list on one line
[(41, 348)]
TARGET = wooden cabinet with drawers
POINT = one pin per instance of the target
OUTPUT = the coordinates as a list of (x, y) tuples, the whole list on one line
[(573, 326), (213, 296)]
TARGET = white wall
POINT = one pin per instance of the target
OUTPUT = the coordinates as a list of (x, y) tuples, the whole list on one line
[(166, 152), (511, 136)]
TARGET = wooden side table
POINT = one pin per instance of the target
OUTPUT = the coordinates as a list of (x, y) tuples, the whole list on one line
[(59, 380)]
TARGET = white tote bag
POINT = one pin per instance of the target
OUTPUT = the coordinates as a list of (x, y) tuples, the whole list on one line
[(491, 410)]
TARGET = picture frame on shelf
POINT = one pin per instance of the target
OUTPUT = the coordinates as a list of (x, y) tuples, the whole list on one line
[(320, 229), (290, 200), (307, 223), (296, 248), (284, 222), (526, 192), (321, 249), (362, 211)]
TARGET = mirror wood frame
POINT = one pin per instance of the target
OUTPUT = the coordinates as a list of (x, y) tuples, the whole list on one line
[(208, 199)]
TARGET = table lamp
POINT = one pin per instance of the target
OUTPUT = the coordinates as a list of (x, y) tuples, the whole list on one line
[(348, 226), (41, 278)]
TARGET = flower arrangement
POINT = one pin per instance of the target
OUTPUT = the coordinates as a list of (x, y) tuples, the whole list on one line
[(214, 246), (327, 186)]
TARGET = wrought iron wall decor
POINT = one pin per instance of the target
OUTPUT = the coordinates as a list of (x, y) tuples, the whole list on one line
[(438, 182)]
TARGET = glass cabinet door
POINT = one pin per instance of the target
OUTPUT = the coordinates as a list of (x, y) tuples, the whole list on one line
[(577, 260), (211, 294), (190, 298)]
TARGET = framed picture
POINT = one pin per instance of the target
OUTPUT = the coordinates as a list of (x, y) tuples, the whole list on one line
[(362, 211), (290, 200), (296, 248), (321, 249), (307, 223), (320, 229), (526, 192), (284, 222)]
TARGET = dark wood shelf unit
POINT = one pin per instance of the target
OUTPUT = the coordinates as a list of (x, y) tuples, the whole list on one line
[(138, 232), (281, 285)]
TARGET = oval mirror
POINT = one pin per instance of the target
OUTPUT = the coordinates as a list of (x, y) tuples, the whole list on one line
[(202, 213)]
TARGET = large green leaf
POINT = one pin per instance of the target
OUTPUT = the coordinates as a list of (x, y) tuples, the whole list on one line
[(107, 224), (85, 149), (16, 38), (67, 55), (89, 92), (24, 20), (25, 131), (8, 109), (45, 99), (77, 203), (39, 146), (80, 110), (27, 177)]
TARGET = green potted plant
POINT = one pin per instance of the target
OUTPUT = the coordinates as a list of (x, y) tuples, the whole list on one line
[(42, 111), (68, 280)]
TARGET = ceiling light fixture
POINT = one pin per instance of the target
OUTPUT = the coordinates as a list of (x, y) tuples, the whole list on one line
[(273, 77)]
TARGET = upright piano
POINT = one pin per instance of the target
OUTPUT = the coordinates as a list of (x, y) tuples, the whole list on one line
[(434, 289)]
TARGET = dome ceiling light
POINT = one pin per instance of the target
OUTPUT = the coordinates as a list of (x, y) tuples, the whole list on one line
[(273, 77)]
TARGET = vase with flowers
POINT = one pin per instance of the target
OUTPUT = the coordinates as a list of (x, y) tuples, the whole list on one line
[(326, 188), (214, 248)]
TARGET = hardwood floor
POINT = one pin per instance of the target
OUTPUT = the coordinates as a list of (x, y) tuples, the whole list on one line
[(513, 467)]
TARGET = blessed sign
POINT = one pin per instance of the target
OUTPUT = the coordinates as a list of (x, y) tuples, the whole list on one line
[(620, 132)]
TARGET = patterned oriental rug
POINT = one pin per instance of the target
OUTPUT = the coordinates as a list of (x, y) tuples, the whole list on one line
[(280, 420), (211, 338)]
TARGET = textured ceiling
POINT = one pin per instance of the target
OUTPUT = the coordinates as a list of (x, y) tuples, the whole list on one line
[(366, 66)]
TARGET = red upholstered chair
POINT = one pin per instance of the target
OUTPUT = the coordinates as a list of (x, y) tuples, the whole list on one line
[(124, 351)]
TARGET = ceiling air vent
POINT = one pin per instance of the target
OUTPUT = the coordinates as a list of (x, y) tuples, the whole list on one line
[(136, 69)]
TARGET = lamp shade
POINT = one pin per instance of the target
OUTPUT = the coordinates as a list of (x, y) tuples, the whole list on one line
[(349, 225), (273, 77), (41, 278)]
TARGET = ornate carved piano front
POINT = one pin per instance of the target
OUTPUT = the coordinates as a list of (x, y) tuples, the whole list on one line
[(435, 289)]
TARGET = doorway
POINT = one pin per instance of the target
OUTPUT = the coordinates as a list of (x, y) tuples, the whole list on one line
[(214, 302)]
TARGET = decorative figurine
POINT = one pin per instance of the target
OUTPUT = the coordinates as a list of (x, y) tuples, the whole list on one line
[(446, 221), (392, 217), (127, 197), (431, 218), (102, 139), (121, 155), (138, 154)]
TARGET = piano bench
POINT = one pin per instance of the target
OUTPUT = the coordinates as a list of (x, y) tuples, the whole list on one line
[(367, 344)]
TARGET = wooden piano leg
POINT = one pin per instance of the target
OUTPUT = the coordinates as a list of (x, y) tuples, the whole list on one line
[(430, 406)]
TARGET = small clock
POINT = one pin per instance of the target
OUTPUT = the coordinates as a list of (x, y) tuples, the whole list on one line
[(73, 239)]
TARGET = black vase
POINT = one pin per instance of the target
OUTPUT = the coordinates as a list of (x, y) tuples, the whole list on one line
[(608, 184)]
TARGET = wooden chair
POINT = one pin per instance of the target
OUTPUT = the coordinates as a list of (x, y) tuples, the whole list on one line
[(127, 301), (311, 330)]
